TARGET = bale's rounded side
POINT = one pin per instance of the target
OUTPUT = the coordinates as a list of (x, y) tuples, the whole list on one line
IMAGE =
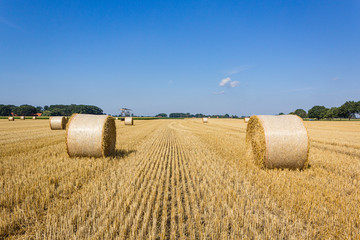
[(22, 117), (11, 118), (246, 120), (205, 120), (278, 141), (57, 123), (129, 121), (90, 136)]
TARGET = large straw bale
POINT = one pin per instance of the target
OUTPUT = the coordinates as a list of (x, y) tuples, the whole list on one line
[(278, 141), (205, 120), (57, 123), (129, 121), (91, 136), (11, 118), (22, 117), (34, 117), (246, 120)]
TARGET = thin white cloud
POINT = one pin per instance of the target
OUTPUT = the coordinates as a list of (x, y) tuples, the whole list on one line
[(234, 84), (219, 93), (10, 24), (238, 69), (170, 82), (227, 82), (336, 79), (224, 82)]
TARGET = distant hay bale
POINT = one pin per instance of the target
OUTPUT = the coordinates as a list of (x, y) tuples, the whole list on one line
[(34, 117), (246, 120), (116, 118), (129, 121), (90, 136), (278, 141), (205, 120), (11, 118), (22, 117), (57, 123)]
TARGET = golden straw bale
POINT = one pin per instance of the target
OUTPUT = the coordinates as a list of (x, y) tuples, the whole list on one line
[(129, 121), (11, 118), (205, 120), (90, 136), (246, 120), (34, 117), (116, 118), (22, 117), (57, 123), (278, 141)]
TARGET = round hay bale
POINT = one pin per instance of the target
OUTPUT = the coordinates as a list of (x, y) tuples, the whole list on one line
[(278, 141), (90, 136), (117, 118), (22, 117), (11, 118), (57, 123), (205, 120), (246, 120), (34, 117), (129, 121)]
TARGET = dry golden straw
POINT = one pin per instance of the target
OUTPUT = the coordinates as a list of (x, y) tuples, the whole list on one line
[(57, 123), (22, 117), (246, 120), (91, 136), (11, 118), (205, 120), (129, 121), (278, 141)]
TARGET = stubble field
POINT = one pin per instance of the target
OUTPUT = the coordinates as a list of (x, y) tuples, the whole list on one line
[(176, 179)]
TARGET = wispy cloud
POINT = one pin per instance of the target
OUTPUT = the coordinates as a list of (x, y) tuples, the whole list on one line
[(336, 79), (234, 84), (226, 82), (219, 93), (238, 69), (170, 82), (10, 24)]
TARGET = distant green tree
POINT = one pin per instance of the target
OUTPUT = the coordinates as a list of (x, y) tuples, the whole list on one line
[(281, 113), (300, 112), (349, 109), (25, 110), (5, 110), (332, 113), (39, 109), (164, 115), (317, 112), (226, 115)]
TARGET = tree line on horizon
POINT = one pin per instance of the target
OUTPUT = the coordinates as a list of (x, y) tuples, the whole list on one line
[(348, 110), (52, 110)]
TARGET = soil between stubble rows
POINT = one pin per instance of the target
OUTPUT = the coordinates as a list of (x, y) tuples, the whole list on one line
[(174, 179)]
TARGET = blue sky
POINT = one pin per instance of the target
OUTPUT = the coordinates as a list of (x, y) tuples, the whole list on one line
[(236, 57)]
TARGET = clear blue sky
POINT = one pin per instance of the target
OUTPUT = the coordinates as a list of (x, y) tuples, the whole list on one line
[(172, 56)]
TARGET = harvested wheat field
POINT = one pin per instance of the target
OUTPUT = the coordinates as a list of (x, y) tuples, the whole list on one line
[(177, 179)]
